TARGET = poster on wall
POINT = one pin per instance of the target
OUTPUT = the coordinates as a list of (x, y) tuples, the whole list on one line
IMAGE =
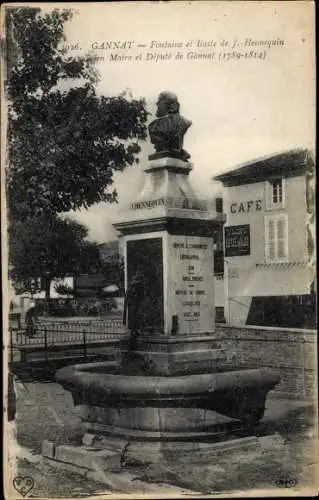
[(237, 240)]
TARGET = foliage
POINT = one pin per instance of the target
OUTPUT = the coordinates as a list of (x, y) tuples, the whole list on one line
[(112, 269), (63, 289), (81, 306), (64, 141), (49, 247)]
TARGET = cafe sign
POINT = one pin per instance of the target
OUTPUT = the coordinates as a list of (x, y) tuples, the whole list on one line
[(237, 240)]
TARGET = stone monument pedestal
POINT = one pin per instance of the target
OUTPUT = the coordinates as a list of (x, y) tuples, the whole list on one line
[(180, 355), (172, 383), (168, 239), (172, 388)]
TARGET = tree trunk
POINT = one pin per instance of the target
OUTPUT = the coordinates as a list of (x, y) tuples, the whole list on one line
[(46, 287)]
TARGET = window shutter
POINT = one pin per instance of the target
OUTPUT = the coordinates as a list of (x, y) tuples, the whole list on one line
[(276, 238), (271, 239), (281, 239)]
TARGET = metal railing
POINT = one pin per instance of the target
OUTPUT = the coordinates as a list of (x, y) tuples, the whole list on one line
[(48, 334)]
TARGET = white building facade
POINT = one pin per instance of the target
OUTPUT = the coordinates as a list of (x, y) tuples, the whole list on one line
[(269, 240)]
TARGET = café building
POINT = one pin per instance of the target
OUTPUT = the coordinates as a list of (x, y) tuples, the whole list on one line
[(269, 241)]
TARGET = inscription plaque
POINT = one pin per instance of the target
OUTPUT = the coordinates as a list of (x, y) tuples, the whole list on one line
[(190, 290)]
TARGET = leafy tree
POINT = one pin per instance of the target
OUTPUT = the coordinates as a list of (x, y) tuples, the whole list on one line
[(64, 141), (47, 247), (63, 289)]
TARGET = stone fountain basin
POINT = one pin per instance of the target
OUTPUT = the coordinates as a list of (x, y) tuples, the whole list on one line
[(146, 402)]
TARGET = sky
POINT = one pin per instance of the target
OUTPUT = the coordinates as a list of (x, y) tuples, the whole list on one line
[(240, 109)]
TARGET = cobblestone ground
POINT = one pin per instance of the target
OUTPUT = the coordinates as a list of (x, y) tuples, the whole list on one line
[(45, 411)]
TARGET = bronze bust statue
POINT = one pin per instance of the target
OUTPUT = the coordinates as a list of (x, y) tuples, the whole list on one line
[(168, 129)]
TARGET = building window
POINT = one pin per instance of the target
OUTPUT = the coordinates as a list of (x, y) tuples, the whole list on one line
[(276, 238), (275, 193), (219, 204)]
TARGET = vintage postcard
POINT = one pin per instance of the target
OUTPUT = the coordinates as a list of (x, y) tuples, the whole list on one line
[(159, 249)]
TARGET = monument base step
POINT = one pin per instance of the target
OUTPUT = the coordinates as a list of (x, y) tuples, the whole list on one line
[(183, 362), (89, 463), (116, 455)]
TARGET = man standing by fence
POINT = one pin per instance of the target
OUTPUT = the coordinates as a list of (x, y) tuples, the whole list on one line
[(30, 320)]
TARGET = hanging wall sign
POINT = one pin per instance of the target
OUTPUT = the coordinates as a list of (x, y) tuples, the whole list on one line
[(237, 240)]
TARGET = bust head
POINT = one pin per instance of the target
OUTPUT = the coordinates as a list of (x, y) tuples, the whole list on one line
[(168, 130), (167, 103)]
